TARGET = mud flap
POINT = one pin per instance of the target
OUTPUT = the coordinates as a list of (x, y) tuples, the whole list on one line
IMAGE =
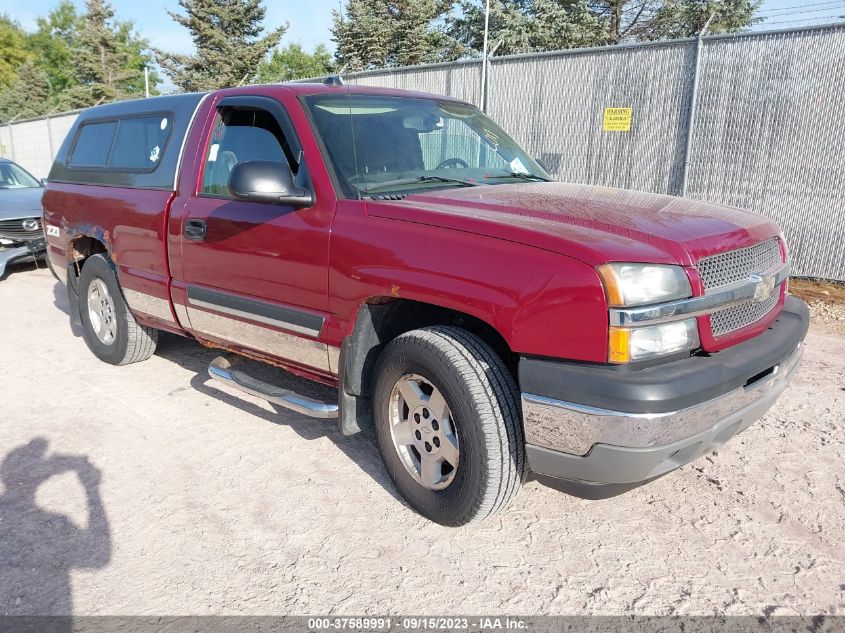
[(73, 295), (355, 414)]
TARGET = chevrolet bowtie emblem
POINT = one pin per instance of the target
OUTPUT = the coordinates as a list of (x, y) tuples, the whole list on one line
[(764, 288)]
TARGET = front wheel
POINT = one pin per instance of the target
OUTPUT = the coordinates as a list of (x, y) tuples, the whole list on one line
[(448, 424), (110, 330)]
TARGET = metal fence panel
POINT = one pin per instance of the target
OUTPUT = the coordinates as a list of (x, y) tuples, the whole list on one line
[(33, 144), (770, 137), (769, 134), (554, 106), (461, 80)]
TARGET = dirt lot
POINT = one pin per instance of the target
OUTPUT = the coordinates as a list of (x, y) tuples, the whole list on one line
[(211, 502)]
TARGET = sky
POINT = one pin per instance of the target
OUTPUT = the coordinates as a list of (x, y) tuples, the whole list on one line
[(310, 20)]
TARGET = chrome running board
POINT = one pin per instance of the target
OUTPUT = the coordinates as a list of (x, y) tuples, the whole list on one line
[(221, 369)]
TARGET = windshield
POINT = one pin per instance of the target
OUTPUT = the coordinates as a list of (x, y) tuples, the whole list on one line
[(381, 145), (14, 177)]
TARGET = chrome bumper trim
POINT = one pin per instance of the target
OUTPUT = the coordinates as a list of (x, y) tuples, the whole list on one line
[(575, 429), (697, 306)]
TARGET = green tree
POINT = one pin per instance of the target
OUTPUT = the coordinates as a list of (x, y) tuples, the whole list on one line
[(13, 51), (108, 59), (53, 43), (227, 35), (27, 95), (137, 55), (685, 18), (292, 62), (644, 20), (523, 26), (384, 33)]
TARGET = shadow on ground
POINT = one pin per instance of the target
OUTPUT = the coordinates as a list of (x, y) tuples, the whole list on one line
[(360, 448), (189, 354), (60, 300), (38, 549)]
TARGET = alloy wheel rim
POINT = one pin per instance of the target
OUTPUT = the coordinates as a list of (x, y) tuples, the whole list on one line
[(423, 432), (101, 311)]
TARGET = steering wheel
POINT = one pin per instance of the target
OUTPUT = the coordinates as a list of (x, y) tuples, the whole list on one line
[(452, 162)]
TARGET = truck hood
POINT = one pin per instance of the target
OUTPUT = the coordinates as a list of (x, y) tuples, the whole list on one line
[(593, 224), (20, 203)]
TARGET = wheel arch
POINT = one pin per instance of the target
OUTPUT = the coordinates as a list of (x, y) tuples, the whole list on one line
[(82, 246), (79, 249), (378, 321)]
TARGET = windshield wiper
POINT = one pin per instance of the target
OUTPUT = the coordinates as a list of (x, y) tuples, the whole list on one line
[(518, 174), (412, 181)]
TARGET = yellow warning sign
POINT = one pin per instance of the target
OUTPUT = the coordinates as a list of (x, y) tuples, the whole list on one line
[(617, 119)]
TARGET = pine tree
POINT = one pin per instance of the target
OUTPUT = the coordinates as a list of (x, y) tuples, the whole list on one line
[(291, 62), (385, 33), (27, 96), (524, 26), (107, 59), (685, 18), (644, 20), (228, 41)]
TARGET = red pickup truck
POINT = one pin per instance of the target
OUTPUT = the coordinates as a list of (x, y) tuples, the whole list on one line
[(490, 325)]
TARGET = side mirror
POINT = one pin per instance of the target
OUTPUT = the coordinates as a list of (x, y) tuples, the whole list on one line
[(268, 182)]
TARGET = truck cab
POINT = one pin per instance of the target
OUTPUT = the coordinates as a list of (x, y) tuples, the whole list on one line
[(485, 322)]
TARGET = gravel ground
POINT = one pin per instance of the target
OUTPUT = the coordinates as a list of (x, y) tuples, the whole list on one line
[(214, 503), (825, 313)]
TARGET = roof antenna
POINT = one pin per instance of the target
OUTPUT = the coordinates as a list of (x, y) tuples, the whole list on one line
[(333, 80)]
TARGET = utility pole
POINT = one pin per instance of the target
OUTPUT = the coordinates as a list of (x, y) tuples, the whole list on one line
[(484, 57), (146, 80)]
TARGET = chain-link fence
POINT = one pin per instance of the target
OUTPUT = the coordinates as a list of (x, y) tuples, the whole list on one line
[(769, 130)]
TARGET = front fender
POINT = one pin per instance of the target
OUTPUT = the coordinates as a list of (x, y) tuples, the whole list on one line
[(541, 303)]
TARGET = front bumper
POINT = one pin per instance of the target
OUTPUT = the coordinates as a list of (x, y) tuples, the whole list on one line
[(617, 429), (34, 249)]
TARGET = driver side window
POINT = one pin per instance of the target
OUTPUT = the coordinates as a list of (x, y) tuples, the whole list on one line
[(241, 135)]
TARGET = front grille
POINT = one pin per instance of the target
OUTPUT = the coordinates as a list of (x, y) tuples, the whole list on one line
[(738, 316), (733, 266), (14, 230)]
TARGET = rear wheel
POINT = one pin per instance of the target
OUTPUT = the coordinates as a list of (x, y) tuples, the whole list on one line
[(448, 424), (110, 330)]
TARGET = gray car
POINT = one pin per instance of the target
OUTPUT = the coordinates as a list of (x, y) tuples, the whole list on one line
[(21, 233)]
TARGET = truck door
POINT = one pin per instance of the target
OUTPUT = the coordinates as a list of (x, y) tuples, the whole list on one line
[(255, 275)]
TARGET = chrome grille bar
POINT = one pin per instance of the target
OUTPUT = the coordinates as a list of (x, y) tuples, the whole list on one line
[(734, 294)]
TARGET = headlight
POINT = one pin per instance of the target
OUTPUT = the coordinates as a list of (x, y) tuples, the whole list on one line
[(640, 284), (630, 344)]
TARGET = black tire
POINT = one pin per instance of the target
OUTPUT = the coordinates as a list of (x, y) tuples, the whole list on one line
[(484, 404), (132, 342)]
